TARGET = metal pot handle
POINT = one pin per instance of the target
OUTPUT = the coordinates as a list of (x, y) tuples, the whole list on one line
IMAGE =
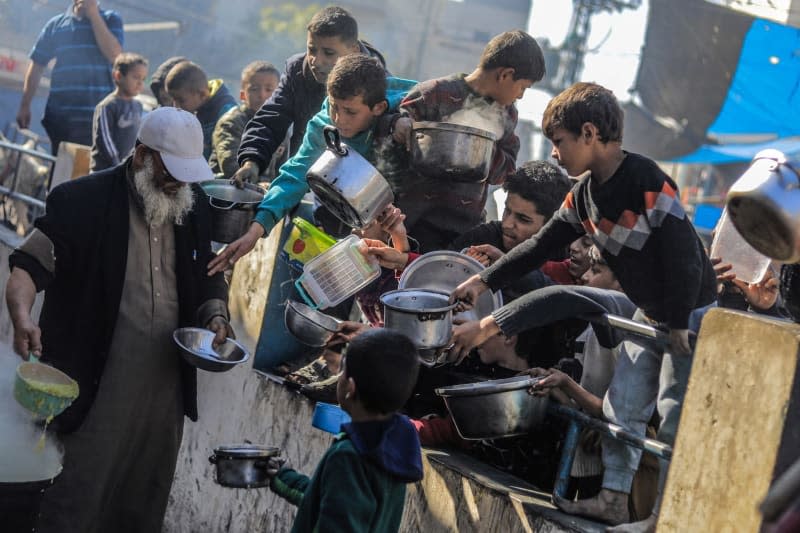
[(212, 459), (333, 140), (212, 204)]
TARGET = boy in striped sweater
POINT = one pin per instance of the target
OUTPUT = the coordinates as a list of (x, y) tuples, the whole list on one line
[(631, 210)]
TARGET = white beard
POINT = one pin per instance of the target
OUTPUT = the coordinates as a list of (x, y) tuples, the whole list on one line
[(160, 208)]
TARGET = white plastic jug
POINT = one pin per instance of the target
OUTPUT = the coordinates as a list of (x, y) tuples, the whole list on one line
[(748, 264)]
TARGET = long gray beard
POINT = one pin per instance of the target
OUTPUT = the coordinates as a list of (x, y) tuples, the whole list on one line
[(160, 208)]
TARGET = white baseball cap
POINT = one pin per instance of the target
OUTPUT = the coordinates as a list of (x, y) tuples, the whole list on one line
[(177, 136)]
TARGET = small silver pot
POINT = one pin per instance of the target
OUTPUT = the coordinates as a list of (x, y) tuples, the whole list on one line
[(347, 184), (232, 209), (494, 409), (424, 316), (764, 206), (451, 151), (242, 466)]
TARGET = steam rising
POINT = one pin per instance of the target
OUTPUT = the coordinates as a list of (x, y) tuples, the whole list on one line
[(480, 113), (22, 459)]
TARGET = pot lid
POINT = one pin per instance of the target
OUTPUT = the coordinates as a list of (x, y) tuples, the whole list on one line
[(492, 386), (417, 301), (222, 189), (250, 451)]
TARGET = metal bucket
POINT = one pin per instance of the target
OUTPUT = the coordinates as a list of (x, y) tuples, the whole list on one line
[(451, 151), (242, 466), (232, 209), (20, 503)]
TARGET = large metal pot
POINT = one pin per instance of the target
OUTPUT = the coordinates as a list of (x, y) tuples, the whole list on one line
[(242, 466), (20, 503), (232, 209), (452, 151), (347, 184), (764, 205), (494, 409), (424, 316)]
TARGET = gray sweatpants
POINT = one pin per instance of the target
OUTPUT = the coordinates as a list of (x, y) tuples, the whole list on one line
[(646, 376)]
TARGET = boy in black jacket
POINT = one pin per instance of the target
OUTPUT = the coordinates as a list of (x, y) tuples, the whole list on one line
[(632, 211)]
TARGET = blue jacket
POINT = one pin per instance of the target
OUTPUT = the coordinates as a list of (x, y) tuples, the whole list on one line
[(296, 99), (288, 188)]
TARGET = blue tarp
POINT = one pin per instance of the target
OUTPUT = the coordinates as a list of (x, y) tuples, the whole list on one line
[(762, 106)]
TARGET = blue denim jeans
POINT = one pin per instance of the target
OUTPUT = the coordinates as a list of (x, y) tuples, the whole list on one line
[(646, 377)]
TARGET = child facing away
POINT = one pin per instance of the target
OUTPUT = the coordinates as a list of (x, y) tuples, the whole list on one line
[(633, 213), (192, 91), (117, 116), (259, 81), (359, 95), (439, 209), (360, 482)]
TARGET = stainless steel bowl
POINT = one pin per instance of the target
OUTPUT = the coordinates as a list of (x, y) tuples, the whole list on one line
[(242, 466), (196, 348), (308, 325), (444, 271), (451, 151), (494, 409)]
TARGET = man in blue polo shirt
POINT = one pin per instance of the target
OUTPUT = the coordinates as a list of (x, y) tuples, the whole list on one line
[(84, 41)]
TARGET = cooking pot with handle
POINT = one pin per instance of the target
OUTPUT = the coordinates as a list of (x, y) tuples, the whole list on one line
[(764, 206), (424, 316), (232, 209), (451, 151), (347, 184)]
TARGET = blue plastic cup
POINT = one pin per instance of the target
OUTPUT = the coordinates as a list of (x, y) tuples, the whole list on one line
[(329, 417)]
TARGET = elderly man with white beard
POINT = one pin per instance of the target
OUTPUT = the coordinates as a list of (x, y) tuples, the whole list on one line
[(121, 255)]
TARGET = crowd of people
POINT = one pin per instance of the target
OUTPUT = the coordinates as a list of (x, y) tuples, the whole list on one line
[(134, 261)]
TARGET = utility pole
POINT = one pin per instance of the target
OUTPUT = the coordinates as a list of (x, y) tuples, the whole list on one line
[(569, 57)]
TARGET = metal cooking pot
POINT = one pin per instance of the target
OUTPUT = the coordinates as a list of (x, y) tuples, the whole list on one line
[(494, 409), (20, 503), (452, 151), (347, 184), (424, 316), (764, 206), (308, 325), (242, 466), (232, 209)]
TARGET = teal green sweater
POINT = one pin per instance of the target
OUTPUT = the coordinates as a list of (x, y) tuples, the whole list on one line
[(360, 483), (288, 188)]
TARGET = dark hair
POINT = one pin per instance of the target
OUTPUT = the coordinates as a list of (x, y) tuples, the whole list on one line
[(186, 75), (160, 75), (333, 21), (581, 103), (125, 61), (358, 74), (539, 182), (514, 49), (384, 365), (259, 67)]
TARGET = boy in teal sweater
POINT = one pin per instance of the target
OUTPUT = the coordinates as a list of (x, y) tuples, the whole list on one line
[(359, 97), (360, 483)]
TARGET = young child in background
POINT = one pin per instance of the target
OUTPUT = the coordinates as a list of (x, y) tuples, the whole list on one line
[(439, 209), (117, 116), (259, 81), (632, 211), (159, 78), (192, 91), (570, 271), (360, 483)]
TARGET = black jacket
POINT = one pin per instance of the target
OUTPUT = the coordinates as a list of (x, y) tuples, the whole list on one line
[(298, 97), (87, 221)]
